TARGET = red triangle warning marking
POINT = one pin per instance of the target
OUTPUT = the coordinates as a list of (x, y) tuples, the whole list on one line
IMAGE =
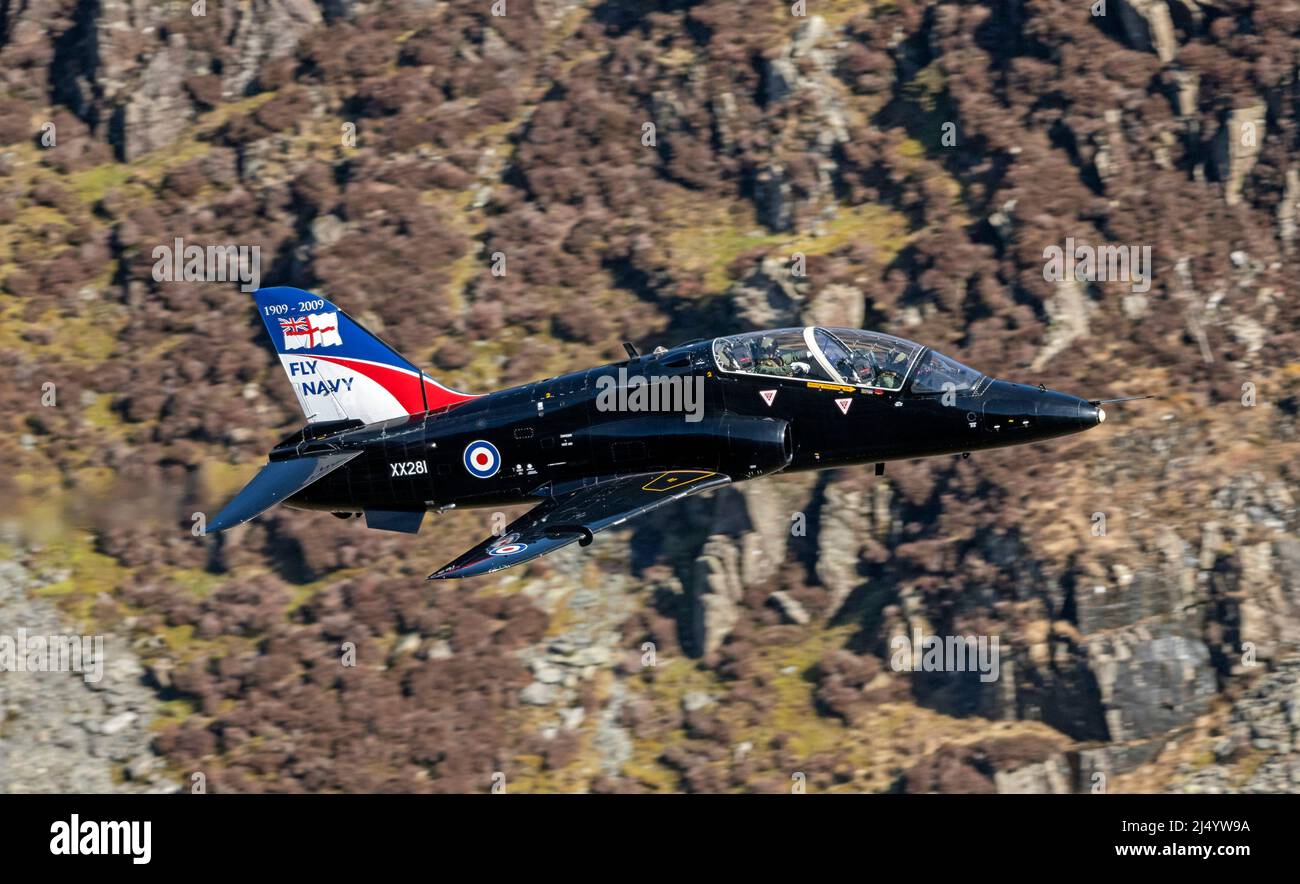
[(768, 395), (844, 405)]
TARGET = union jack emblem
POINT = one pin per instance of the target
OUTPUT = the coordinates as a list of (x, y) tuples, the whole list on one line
[(298, 326)]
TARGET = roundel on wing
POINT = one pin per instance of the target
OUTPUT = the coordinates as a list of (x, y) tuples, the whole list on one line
[(507, 549), (482, 459)]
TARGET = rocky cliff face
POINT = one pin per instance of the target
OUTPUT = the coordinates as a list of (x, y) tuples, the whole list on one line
[(73, 731), (658, 172)]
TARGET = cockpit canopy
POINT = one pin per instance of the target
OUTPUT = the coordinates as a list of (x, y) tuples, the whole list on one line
[(842, 356)]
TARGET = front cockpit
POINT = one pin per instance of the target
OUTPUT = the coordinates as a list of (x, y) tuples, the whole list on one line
[(843, 356), (936, 373)]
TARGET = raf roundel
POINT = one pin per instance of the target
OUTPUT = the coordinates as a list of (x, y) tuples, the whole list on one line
[(482, 459), (508, 549)]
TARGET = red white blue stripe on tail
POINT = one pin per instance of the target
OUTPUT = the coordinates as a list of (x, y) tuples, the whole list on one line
[(340, 371)]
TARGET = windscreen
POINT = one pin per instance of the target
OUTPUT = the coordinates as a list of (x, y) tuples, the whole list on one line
[(941, 374)]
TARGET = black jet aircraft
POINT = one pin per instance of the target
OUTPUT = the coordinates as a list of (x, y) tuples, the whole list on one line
[(596, 448)]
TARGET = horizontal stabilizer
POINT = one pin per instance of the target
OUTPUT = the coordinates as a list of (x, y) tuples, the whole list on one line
[(278, 480)]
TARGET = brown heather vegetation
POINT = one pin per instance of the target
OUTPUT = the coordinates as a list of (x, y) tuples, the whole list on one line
[(522, 134)]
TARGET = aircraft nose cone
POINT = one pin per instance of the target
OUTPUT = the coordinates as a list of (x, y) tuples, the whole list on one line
[(1021, 413), (1089, 414), (1066, 413)]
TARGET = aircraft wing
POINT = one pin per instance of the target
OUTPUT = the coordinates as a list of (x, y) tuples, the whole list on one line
[(577, 515)]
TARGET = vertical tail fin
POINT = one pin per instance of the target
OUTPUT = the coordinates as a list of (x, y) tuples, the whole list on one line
[(340, 371)]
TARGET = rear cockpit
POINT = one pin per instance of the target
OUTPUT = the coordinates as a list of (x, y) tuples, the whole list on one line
[(843, 356), (783, 352)]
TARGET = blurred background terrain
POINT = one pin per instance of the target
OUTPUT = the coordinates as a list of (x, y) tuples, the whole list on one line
[(1160, 655)]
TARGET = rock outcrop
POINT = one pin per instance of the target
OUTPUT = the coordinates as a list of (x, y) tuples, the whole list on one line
[(1236, 148), (1149, 27), (63, 733)]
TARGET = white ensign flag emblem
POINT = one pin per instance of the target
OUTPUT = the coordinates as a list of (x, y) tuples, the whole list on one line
[(312, 330)]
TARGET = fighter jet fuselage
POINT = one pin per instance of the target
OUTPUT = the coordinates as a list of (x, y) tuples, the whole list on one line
[(556, 431)]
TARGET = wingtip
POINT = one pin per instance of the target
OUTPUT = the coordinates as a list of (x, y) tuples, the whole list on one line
[(217, 525), (224, 521)]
